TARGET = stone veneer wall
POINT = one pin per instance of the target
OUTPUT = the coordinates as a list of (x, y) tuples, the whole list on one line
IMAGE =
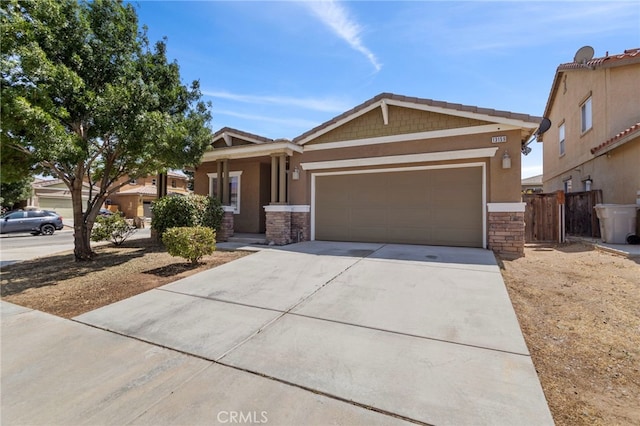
[(226, 227), (506, 233), (278, 227), (300, 223)]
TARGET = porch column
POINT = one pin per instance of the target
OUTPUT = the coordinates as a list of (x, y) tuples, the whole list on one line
[(225, 182), (274, 179), (282, 197), (219, 181)]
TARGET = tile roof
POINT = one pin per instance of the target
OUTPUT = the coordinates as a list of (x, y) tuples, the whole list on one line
[(533, 180), (420, 101), (633, 130), (220, 132), (142, 190), (629, 55)]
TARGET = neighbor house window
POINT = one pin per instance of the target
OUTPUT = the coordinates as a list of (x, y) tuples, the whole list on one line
[(173, 183), (154, 182), (586, 115), (561, 139), (234, 189), (133, 182)]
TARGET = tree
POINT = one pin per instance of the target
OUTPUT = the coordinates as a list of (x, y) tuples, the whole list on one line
[(11, 193), (85, 98)]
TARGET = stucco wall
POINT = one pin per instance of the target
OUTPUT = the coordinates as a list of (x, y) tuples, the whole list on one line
[(251, 216), (615, 96), (616, 174), (503, 184)]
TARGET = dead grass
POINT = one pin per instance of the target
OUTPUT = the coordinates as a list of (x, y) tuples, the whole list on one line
[(579, 310), (60, 286)]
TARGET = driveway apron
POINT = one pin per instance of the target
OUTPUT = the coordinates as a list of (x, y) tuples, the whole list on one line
[(321, 332)]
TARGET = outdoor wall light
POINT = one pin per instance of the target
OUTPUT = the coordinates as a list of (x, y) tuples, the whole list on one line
[(296, 174), (587, 184), (506, 160)]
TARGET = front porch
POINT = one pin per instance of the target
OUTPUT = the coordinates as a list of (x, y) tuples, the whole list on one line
[(251, 179)]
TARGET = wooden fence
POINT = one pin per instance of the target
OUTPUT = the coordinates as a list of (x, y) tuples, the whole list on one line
[(543, 217), (548, 217), (580, 218)]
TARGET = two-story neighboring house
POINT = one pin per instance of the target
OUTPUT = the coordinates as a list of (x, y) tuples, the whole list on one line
[(594, 139), (135, 197)]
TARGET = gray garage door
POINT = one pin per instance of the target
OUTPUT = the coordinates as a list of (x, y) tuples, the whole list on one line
[(435, 207), (61, 206)]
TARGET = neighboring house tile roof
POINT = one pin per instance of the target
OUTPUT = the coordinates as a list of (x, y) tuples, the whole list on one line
[(608, 60), (142, 190), (625, 134), (533, 180), (420, 101)]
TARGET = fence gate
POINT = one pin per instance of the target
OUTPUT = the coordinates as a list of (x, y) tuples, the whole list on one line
[(544, 217), (581, 219)]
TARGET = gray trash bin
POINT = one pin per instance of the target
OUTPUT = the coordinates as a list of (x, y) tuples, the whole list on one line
[(617, 221)]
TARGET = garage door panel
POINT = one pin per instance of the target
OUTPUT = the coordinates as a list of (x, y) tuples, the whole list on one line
[(433, 206), (368, 217)]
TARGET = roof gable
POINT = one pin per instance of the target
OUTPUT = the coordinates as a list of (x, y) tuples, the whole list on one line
[(227, 137), (628, 57), (386, 104), (400, 120)]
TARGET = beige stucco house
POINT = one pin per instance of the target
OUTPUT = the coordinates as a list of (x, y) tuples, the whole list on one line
[(594, 139), (393, 169), (135, 197), (53, 194)]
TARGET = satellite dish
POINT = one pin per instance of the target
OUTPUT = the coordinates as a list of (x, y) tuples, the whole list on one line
[(545, 124), (583, 55)]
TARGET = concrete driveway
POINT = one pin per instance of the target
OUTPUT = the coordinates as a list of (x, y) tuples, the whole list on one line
[(312, 333)]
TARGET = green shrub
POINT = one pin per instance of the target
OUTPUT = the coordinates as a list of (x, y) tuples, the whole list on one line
[(112, 228), (190, 243), (189, 210)]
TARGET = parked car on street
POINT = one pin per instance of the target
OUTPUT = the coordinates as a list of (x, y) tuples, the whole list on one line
[(36, 222), (105, 212)]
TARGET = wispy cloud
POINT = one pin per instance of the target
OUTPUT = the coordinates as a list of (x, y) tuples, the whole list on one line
[(336, 17), (324, 105), (291, 122), (505, 27)]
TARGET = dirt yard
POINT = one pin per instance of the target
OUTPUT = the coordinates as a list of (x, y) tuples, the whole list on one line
[(579, 310), (60, 286)]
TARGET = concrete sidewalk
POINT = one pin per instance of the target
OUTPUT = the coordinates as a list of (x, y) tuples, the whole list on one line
[(312, 333)]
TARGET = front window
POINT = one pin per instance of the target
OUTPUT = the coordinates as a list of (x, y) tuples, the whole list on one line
[(154, 182), (586, 115), (561, 139), (234, 189), (173, 183)]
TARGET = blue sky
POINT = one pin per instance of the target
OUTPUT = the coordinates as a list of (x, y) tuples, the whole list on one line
[(278, 69)]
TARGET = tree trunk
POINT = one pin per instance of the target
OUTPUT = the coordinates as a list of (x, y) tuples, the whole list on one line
[(81, 228)]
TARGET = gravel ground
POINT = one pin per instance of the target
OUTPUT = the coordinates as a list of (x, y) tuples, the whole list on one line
[(579, 310)]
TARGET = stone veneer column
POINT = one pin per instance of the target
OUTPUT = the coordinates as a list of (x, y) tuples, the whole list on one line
[(284, 222), (300, 223), (506, 229), (278, 226), (226, 226)]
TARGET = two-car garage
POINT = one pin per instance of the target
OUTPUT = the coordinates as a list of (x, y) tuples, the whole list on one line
[(434, 205)]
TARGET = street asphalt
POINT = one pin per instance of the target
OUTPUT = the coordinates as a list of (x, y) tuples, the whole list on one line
[(312, 333)]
